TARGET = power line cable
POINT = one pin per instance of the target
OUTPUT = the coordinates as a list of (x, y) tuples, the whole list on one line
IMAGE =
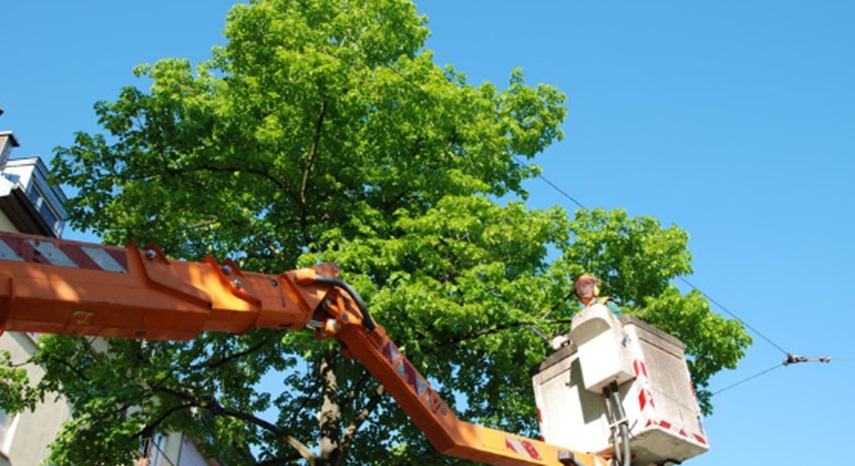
[(550, 183), (687, 282), (748, 378), (710, 299), (791, 359)]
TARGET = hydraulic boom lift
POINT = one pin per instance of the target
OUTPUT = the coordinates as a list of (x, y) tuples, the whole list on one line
[(73, 288)]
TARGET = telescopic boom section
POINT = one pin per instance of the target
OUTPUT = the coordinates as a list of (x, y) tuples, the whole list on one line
[(57, 286), (73, 288)]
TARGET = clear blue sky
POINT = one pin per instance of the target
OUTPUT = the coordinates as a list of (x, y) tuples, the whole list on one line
[(734, 120)]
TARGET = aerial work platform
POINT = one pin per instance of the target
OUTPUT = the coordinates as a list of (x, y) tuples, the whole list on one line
[(649, 369)]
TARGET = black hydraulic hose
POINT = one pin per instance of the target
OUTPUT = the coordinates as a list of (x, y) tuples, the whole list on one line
[(367, 320)]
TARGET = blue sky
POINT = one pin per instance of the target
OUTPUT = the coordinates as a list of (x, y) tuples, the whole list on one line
[(734, 120)]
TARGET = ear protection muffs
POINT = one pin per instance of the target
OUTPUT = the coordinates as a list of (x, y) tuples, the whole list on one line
[(596, 289)]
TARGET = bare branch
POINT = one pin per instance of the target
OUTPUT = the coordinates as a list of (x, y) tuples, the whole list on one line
[(313, 150), (151, 427), (238, 355), (353, 428), (487, 331), (217, 409), (351, 394)]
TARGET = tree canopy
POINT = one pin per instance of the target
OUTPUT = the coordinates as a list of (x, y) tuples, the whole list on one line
[(324, 131)]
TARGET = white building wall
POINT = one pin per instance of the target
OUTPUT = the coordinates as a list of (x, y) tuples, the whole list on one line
[(30, 432), (5, 223), (26, 436)]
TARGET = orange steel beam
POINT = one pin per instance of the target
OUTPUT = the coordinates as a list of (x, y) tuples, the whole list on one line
[(447, 433), (67, 287), (73, 288)]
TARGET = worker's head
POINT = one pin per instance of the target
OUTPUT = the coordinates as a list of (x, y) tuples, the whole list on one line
[(587, 288)]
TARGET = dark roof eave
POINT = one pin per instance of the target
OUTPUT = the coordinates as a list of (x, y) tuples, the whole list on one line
[(23, 214)]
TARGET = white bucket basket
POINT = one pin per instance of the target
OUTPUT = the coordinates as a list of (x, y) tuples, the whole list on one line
[(654, 387)]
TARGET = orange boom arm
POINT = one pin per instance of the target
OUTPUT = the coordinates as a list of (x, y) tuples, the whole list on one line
[(73, 288)]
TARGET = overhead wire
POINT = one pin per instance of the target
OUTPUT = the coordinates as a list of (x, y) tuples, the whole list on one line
[(776, 366), (550, 183), (791, 359), (710, 299)]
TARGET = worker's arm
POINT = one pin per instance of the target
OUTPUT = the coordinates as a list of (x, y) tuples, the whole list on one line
[(612, 305), (66, 287)]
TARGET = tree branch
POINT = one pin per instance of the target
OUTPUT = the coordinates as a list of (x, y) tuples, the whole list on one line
[(353, 428), (313, 152), (351, 394), (263, 173), (67, 364), (279, 461), (306, 399), (238, 355), (304, 186), (217, 409), (487, 331), (150, 427)]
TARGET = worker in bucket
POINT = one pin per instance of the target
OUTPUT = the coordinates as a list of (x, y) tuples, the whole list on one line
[(588, 292)]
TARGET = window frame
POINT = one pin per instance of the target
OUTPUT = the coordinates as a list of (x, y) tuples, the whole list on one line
[(8, 423)]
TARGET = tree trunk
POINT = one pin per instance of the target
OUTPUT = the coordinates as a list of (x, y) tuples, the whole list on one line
[(330, 415)]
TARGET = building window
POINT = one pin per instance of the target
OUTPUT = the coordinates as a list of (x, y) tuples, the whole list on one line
[(5, 420), (6, 429), (44, 207), (153, 451)]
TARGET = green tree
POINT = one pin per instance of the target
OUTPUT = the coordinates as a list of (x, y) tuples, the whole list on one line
[(324, 131)]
